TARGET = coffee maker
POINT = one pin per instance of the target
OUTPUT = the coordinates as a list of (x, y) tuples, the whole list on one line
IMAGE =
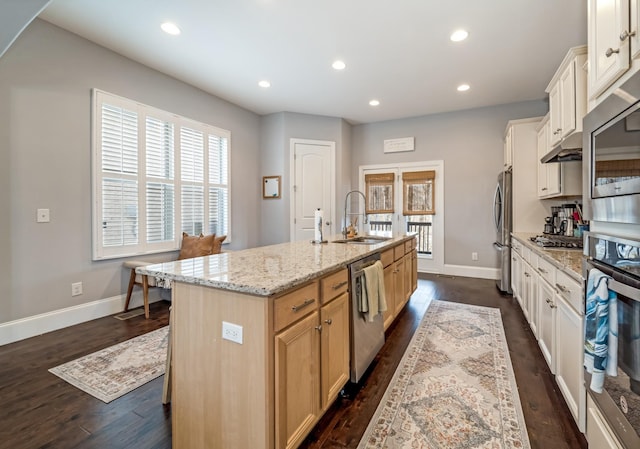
[(548, 225)]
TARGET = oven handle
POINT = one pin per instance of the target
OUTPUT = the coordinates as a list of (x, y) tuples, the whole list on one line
[(615, 285)]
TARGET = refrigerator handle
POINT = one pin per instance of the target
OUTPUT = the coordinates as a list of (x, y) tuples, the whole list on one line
[(495, 208)]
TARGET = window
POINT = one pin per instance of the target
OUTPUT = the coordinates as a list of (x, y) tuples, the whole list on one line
[(155, 175), (418, 192)]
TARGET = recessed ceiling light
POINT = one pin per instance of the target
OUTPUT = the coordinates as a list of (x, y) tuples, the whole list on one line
[(338, 65), (459, 35), (463, 87), (170, 28), (264, 83), (374, 103)]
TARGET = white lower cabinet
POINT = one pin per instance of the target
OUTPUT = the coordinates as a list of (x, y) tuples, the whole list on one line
[(552, 301), (534, 304), (569, 349), (599, 435), (547, 323)]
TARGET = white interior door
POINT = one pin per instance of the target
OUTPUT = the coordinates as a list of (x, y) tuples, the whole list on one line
[(313, 178)]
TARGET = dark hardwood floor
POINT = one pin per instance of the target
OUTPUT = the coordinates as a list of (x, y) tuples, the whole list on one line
[(39, 410)]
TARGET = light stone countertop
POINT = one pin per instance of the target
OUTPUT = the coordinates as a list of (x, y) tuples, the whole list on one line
[(268, 270), (568, 260)]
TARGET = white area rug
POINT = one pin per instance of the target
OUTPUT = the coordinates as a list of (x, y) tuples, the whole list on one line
[(119, 369), (454, 387)]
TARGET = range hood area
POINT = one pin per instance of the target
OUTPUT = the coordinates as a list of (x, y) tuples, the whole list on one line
[(569, 149)]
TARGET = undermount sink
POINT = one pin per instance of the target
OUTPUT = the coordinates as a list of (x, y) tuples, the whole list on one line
[(364, 240)]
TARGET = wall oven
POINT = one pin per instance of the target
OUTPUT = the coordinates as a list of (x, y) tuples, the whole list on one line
[(619, 400), (611, 157)]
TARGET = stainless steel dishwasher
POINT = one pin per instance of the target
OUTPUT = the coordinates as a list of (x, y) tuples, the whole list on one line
[(366, 337)]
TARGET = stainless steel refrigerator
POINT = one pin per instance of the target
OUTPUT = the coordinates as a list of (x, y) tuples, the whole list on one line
[(502, 217)]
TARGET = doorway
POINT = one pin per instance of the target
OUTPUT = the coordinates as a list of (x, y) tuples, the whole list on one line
[(429, 226), (312, 186)]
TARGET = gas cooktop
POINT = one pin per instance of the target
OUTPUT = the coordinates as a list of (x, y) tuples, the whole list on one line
[(557, 241)]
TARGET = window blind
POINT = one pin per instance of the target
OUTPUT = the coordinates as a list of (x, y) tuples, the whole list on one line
[(379, 193), (154, 175), (418, 192)]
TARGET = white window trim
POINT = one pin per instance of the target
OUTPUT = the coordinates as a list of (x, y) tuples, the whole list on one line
[(142, 247), (426, 264)]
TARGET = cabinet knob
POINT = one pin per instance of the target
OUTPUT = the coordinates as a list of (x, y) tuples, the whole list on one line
[(544, 188), (318, 328), (626, 34), (329, 321), (611, 51)]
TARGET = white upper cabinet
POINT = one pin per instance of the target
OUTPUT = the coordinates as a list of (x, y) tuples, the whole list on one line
[(548, 174), (568, 100), (613, 42), (508, 149)]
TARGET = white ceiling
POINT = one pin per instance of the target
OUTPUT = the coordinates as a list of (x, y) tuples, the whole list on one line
[(397, 51)]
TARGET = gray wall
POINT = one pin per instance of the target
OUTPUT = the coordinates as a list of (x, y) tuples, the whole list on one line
[(471, 145), (275, 133), (45, 82)]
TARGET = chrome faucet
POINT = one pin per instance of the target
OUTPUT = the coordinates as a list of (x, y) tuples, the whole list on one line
[(346, 217)]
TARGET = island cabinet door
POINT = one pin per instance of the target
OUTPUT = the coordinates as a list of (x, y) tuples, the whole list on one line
[(398, 279), (297, 381), (334, 348), (390, 295)]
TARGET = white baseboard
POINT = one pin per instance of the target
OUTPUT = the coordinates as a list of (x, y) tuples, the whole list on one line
[(13, 331), (471, 272)]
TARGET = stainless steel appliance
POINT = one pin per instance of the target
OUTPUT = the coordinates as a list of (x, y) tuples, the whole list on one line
[(619, 401), (367, 338), (557, 241), (502, 217), (611, 156)]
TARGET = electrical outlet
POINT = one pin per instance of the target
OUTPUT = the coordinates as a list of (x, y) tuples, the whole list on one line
[(42, 216), (474, 256), (76, 289), (232, 332)]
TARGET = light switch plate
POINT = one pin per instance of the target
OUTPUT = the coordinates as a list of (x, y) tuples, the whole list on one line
[(42, 216)]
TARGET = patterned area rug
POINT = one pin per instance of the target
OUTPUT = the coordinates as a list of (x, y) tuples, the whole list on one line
[(119, 369), (454, 387)]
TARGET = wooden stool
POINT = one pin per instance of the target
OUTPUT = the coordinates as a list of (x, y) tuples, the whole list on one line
[(139, 279)]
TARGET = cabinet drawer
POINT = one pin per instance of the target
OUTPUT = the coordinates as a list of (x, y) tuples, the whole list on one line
[(387, 257), (526, 254), (295, 305), (570, 290), (547, 271), (516, 246), (408, 246), (398, 252), (334, 285)]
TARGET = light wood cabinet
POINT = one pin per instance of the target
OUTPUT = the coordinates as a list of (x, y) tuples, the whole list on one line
[(398, 285), (400, 278), (334, 348), (297, 381), (390, 295), (311, 357)]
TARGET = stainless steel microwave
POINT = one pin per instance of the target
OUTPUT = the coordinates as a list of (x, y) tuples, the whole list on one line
[(611, 156)]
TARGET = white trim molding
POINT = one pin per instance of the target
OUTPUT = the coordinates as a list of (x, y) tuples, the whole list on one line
[(471, 272), (32, 326)]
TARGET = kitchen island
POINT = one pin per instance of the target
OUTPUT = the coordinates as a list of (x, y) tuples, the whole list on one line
[(260, 338)]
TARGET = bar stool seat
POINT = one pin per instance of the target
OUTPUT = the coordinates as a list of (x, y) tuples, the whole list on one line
[(139, 279)]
